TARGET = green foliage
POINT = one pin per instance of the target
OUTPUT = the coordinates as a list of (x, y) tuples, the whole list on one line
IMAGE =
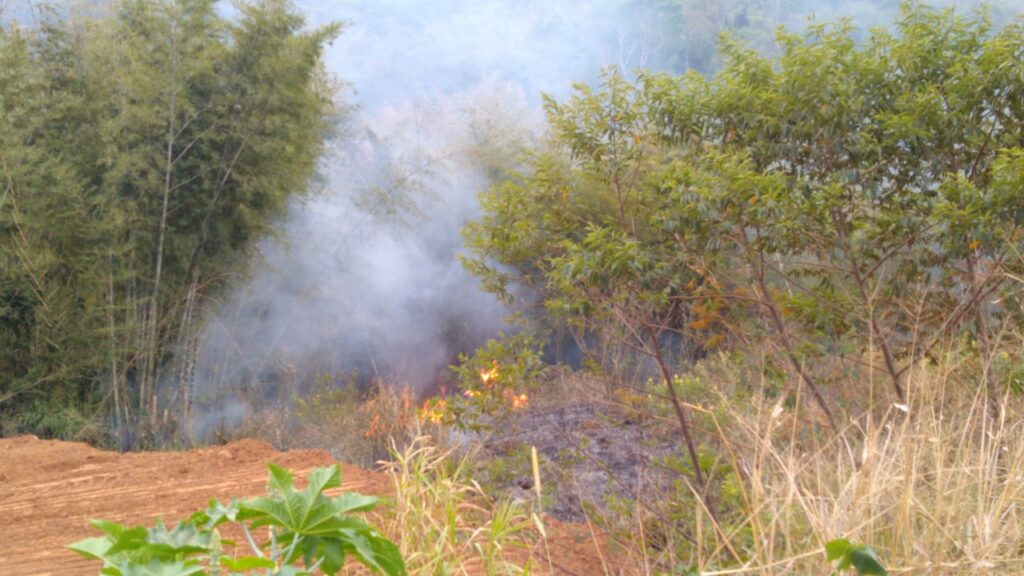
[(851, 203), (835, 214), (142, 154), (495, 379), (309, 533), (330, 416), (861, 558)]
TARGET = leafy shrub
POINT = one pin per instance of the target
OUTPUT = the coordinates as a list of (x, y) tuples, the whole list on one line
[(494, 379), (56, 419), (308, 531), (850, 204)]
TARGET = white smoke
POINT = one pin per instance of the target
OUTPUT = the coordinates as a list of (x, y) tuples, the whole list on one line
[(365, 273)]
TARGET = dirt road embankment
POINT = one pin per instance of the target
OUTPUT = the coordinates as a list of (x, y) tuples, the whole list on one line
[(49, 491)]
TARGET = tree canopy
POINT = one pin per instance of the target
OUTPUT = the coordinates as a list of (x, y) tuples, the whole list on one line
[(851, 204)]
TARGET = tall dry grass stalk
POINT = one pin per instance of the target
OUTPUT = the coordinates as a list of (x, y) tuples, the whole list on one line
[(936, 487)]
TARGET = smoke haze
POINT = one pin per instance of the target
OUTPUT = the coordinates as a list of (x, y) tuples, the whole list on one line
[(365, 274)]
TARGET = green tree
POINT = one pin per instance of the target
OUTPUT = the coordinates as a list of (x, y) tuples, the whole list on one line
[(848, 204), (148, 149)]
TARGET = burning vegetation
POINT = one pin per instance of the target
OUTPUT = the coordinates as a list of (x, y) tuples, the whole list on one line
[(481, 396)]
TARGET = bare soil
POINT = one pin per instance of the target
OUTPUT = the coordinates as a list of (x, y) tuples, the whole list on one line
[(593, 454), (49, 490)]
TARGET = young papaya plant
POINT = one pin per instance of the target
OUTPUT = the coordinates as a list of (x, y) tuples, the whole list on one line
[(846, 555), (289, 532)]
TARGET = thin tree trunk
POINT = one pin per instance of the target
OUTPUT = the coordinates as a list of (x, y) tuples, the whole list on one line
[(991, 388), (780, 326), (114, 380), (775, 313), (154, 308), (184, 350), (684, 421), (883, 342)]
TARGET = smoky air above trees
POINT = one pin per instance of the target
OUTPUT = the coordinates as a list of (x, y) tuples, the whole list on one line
[(365, 272), (366, 275)]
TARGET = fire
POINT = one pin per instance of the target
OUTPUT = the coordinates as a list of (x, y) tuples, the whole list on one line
[(516, 401), (434, 410), (489, 376), (519, 401), (503, 393), (375, 428), (388, 414)]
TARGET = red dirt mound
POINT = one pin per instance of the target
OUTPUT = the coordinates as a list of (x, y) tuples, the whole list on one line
[(49, 490)]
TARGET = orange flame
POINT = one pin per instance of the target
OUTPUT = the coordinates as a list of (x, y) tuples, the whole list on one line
[(488, 376), (516, 401), (375, 427), (520, 401), (433, 410)]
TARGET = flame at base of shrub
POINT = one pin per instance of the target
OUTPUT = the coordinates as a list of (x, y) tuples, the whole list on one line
[(486, 396)]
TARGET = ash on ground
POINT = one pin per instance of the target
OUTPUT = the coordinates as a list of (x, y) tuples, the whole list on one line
[(592, 456)]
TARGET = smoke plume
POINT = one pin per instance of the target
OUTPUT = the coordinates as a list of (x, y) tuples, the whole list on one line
[(365, 273)]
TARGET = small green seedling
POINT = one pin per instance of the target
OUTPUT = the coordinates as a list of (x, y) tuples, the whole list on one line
[(304, 530), (861, 558)]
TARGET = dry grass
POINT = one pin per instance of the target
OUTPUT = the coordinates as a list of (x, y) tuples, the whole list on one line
[(445, 524), (356, 425), (935, 489)]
